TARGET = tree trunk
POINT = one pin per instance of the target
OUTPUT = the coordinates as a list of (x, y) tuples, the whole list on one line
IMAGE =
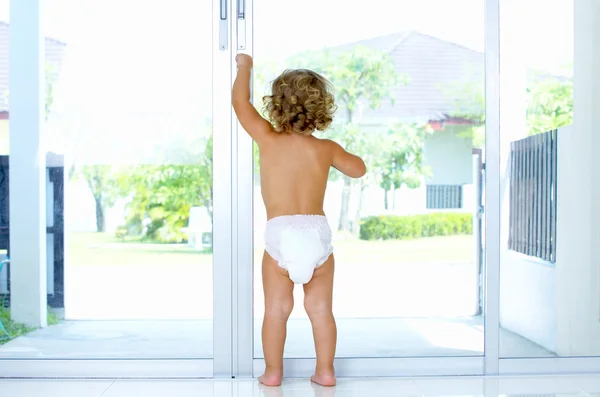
[(100, 221), (344, 223), (72, 170), (385, 199), (393, 198), (356, 223)]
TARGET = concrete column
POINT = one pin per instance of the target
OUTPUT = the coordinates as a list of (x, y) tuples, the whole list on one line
[(27, 164), (578, 216)]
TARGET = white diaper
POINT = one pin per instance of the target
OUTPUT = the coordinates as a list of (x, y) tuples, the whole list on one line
[(299, 243)]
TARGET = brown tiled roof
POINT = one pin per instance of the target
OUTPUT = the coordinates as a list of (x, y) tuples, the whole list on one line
[(436, 69), (443, 78)]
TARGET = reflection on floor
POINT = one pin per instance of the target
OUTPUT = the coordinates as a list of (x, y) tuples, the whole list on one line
[(389, 337), (555, 386)]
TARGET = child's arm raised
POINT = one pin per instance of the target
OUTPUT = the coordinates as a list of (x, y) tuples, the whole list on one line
[(256, 126), (347, 163)]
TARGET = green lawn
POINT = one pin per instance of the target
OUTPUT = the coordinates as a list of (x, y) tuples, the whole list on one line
[(104, 249)]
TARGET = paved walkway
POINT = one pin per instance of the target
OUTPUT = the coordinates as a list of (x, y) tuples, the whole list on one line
[(375, 337), (157, 311), (185, 292)]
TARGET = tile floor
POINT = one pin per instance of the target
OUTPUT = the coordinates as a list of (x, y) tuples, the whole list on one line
[(549, 386)]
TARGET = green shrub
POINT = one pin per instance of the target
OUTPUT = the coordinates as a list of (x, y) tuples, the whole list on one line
[(391, 227)]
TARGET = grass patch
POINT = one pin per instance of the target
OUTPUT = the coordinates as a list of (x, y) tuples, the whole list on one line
[(100, 249), (104, 249), (17, 329)]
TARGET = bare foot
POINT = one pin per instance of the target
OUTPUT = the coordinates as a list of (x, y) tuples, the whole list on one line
[(271, 378), (324, 379)]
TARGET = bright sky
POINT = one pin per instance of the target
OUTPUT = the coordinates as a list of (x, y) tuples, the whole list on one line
[(150, 59)]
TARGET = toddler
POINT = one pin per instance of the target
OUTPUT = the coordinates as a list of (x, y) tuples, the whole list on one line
[(294, 167)]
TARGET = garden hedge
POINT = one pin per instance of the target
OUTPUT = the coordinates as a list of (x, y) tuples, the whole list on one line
[(392, 227)]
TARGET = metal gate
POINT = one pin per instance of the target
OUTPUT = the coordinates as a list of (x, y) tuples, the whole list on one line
[(55, 227)]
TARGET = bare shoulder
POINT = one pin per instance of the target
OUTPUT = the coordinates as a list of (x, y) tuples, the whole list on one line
[(348, 163), (328, 144)]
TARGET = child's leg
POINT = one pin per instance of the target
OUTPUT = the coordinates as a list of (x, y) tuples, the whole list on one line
[(318, 299), (279, 302)]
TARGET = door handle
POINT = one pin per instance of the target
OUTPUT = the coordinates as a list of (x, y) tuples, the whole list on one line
[(241, 24), (223, 31)]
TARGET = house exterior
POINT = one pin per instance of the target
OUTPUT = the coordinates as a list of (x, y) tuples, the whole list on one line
[(445, 91)]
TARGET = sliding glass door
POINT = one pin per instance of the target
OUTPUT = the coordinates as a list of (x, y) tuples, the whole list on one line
[(136, 126), (408, 237)]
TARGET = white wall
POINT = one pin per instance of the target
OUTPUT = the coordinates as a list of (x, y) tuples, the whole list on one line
[(578, 248), (449, 157), (578, 217), (528, 299)]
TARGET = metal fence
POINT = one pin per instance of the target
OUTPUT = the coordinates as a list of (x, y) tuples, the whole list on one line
[(533, 196)]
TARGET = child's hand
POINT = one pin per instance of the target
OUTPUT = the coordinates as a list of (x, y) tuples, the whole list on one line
[(243, 60)]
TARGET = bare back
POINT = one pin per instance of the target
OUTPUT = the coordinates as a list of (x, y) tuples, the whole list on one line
[(294, 165), (293, 170)]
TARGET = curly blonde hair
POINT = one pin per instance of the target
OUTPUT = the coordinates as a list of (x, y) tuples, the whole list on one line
[(301, 101)]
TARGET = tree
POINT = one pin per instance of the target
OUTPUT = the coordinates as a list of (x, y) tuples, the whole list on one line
[(361, 76), (550, 104), (400, 163), (103, 181), (161, 196), (205, 185)]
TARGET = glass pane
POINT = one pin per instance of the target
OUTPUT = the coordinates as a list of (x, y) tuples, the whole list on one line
[(129, 186), (538, 316), (407, 237)]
